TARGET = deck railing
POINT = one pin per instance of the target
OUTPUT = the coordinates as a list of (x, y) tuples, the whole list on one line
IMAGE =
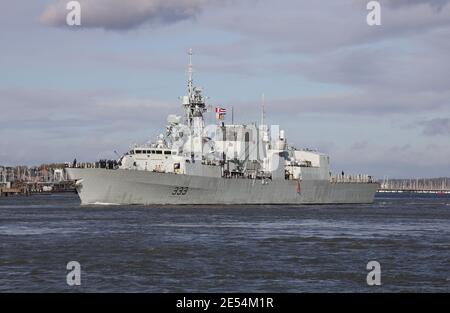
[(108, 164), (361, 178)]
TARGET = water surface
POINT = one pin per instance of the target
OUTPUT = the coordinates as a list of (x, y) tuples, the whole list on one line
[(225, 248)]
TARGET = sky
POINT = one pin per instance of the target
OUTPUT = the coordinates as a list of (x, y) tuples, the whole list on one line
[(375, 98)]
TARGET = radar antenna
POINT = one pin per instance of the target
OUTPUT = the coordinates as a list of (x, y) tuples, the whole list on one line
[(263, 108), (190, 74)]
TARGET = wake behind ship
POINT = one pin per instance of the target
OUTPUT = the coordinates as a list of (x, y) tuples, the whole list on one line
[(194, 163)]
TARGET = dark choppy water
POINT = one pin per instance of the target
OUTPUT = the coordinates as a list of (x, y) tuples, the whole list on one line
[(224, 249)]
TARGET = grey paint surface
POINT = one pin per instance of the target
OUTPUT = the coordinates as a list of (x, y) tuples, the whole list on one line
[(102, 186)]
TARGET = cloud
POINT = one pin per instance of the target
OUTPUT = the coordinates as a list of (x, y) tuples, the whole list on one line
[(369, 80), (393, 68), (311, 27), (353, 103), (401, 148), (436, 4), (57, 125), (436, 126), (124, 15), (94, 109), (360, 145)]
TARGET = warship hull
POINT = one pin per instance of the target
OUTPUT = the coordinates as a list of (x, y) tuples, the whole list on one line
[(120, 186)]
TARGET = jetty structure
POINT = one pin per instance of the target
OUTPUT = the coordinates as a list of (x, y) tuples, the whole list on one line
[(25, 180)]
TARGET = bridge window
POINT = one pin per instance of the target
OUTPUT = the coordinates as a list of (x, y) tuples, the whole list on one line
[(167, 152), (138, 151), (158, 152)]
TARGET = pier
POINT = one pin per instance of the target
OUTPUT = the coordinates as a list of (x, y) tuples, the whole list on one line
[(24, 181), (4, 192)]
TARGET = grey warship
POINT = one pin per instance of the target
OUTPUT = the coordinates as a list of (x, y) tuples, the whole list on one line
[(195, 163)]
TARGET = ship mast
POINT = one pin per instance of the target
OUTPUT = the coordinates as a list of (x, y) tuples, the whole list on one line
[(190, 75), (194, 101), (187, 100), (194, 106), (263, 109)]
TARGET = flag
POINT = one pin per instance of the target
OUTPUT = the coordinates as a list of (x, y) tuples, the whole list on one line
[(221, 111)]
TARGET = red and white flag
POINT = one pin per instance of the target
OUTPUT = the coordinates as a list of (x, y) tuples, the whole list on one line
[(221, 111)]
